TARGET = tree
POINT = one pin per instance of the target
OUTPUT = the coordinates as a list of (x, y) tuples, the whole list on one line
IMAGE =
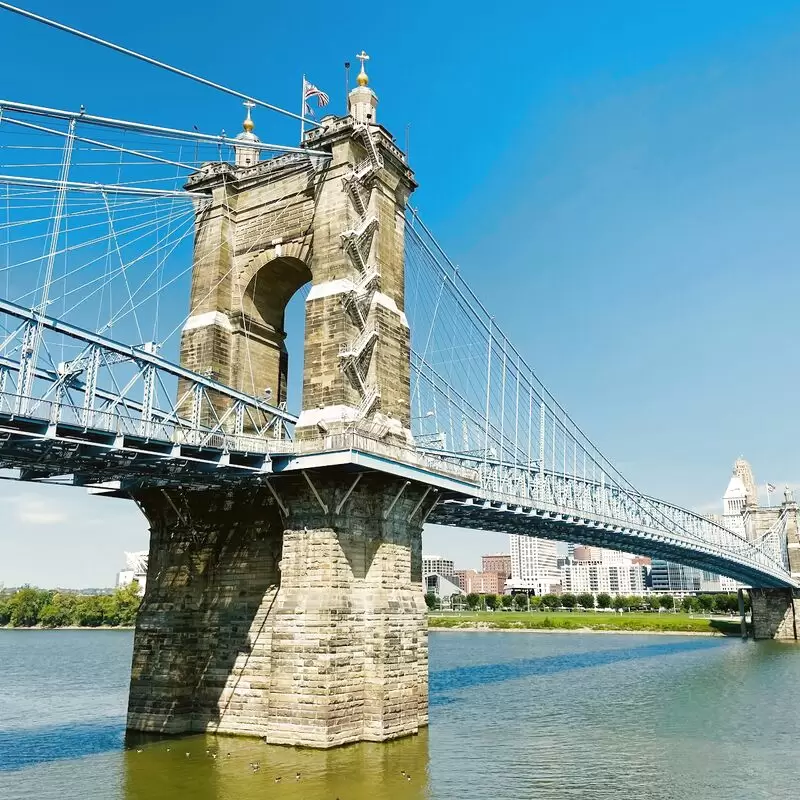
[(473, 600), (536, 603), (653, 601), (431, 600), (690, 603), (667, 602), (551, 601), (585, 600), (59, 611), (634, 601), (491, 601), (604, 600), (726, 603), (620, 602), (26, 603), (568, 600), (28, 607), (506, 600), (121, 607), (521, 601), (90, 610), (705, 601), (5, 609)]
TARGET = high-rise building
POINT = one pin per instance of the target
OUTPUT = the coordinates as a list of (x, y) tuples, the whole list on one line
[(680, 580), (470, 581), (486, 583), (676, 579), (436, 565), (461, 577), (601, 555), (533, 565), (135, 570), (736, 501), (743, 471), (625, 577), (499, 562)]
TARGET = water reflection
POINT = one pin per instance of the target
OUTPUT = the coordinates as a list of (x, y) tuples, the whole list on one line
[(219, 768), (25, 747), (545, 716), (469, 676)]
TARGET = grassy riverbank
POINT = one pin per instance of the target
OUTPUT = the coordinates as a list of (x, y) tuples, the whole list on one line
[(595, 621)]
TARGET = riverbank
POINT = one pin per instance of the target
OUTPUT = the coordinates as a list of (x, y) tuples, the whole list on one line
[(68, 628), (584, 622)]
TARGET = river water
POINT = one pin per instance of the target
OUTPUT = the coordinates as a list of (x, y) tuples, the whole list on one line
[(513, 716)]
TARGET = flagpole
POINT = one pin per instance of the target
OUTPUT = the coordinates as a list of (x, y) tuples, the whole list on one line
[(303, 110)]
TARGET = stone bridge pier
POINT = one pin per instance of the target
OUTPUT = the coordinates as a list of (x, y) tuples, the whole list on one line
[(303, 625), (291, 607), (776, 612)]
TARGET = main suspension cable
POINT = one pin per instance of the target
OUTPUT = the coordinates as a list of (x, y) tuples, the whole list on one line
[(126, 51)]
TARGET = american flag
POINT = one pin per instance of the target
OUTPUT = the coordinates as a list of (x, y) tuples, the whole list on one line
[(771, 487), (309, 91)]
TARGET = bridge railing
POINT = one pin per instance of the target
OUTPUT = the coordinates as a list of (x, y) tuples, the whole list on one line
[(170, 432), (522, 486), (66, 414), (393, 451), (120, 424), (620, 506)]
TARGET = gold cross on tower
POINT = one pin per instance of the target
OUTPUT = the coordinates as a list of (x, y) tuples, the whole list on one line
[(248, 124), (362, 78)]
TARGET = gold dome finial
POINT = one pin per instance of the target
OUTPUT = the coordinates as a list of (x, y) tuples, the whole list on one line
[(248, 124), (362, 78)]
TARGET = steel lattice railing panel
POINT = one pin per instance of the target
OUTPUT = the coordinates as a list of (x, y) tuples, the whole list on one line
[(570, 496), (113, 387)]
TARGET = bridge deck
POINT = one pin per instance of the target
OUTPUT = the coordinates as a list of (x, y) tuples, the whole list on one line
[(560, 507)]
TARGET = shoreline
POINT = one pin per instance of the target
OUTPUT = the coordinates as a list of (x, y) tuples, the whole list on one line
[(624, 632), (69, 628), (451, 628)]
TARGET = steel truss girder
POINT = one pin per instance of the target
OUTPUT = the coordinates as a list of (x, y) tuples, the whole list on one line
[(553, 524), (611, 504), (92, 457), (528, 487)]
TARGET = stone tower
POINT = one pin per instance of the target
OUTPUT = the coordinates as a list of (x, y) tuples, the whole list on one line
[(744, 472), (335, 223), (291, 606)]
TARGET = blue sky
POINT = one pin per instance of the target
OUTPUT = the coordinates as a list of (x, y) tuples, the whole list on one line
[(618, 182)]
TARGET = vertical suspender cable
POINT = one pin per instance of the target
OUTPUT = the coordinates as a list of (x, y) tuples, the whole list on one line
[(541, 448), (502, 409), (34, 333), (488, 392), (516, 418)]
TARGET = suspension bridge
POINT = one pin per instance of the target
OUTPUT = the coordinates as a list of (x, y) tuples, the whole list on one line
[(145, 273)]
